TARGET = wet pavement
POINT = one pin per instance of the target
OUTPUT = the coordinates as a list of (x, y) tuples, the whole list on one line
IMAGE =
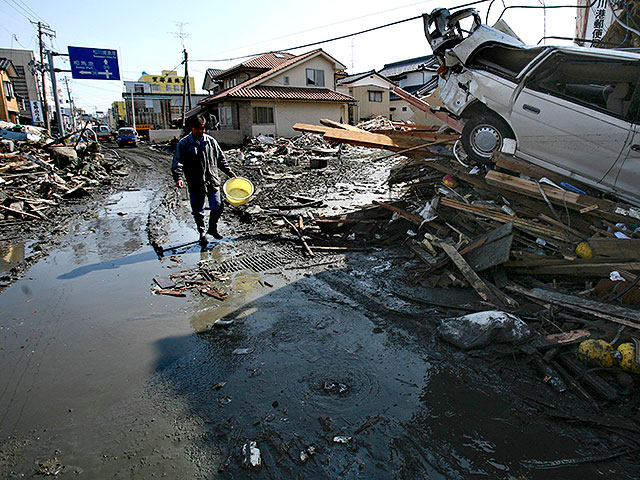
[(328, 372)]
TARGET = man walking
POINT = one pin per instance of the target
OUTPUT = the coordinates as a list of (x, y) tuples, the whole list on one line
[(198, 157)]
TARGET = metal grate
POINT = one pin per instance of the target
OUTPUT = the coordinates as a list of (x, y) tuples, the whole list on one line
[(257, 263)]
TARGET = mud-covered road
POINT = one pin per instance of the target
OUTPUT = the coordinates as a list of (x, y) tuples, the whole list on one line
[(320, 364)]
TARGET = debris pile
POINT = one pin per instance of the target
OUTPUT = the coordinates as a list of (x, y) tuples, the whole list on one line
[(35, 177), (525, 239)]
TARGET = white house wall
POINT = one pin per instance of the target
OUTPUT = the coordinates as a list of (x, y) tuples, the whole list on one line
[(287, 114), (298, 75)]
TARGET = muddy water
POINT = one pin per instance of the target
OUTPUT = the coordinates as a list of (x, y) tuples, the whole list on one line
[(328, 372)]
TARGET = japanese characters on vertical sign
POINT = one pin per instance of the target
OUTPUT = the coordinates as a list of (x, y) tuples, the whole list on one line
[(599, 18), (36, 112), (94, 63)]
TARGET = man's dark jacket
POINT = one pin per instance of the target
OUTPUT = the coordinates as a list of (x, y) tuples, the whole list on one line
[(199, 163)]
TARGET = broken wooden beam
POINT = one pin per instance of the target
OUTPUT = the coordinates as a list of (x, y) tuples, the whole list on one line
[(472, 277), (613, 313)]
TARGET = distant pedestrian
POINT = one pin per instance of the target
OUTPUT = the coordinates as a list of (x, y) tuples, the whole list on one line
[(198, 158)]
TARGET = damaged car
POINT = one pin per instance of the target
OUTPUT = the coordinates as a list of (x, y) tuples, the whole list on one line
[(573, 110)]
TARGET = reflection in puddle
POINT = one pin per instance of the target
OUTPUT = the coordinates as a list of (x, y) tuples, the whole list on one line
[(11, 255)]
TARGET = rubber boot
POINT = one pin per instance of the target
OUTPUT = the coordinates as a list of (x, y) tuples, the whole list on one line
[(213, 224), (203, 236)]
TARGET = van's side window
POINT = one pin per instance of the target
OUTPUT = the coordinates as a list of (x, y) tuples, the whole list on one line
[(606, 85)]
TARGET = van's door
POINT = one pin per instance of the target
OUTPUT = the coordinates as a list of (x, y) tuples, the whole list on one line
[(573, 113), (625, 174)]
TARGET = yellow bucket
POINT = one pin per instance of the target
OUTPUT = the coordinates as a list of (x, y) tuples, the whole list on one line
[(238, 190)]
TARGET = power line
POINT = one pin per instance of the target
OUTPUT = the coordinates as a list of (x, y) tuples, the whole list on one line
[(18, 11), (398, 22), (29, 9)]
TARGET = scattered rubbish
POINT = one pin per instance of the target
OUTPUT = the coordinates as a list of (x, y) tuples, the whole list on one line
[(479, 329), (341, 439), (251, 457), (335, 388), (221, 322), (242, 351), (219, 385), (307, 453)]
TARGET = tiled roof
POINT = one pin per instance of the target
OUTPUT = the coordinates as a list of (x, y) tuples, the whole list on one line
[(429, 62), (265, 61), (355, 77), (244, 89), (291, 93)]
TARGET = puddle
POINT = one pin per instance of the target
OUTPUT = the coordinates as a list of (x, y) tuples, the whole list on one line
[(11, 255)]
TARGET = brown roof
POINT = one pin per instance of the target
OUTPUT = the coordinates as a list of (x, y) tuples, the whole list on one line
[(266, 61), (245, 89), (291, 93)]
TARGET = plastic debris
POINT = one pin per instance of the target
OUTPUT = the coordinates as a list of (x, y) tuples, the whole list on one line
[(251, 457), (479, 329)]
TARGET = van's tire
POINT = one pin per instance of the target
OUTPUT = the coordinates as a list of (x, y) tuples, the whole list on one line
[(482, 135)]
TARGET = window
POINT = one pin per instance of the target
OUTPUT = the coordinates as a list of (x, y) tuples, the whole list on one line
[(263, 115), (177, 88), (315, 77), (286, 80), (138, 88), (501, 60), (230, 82), (225, 117), (167, 88), (404, 109), (594, 82), (375, 96), (8, 90), (155, 88), (393, 109)]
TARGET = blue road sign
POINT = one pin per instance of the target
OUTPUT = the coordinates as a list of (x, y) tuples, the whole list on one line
[(94, 63)]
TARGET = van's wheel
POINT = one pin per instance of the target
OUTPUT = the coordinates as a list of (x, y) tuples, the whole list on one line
[(482, 135)]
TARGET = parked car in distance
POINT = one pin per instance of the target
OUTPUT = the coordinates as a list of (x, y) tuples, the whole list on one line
[(103, 133), (573, 110), (127, 136)]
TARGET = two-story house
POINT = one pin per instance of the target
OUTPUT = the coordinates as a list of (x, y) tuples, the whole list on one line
[(9, 110), (372, 92), (417, 76), (268, 94)]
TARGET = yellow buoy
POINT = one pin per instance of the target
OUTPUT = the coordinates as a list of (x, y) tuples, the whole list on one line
[(583, 250), (628, 360), (596, 352)]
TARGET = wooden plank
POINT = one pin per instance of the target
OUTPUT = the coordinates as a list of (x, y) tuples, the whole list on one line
[(370, 139), (615, 248), (305, 127), (527, 225), (18, 212), (494, 251), (409, 216), (472, 277), (591, 379), (573, 268), (400, 135), (529, 169), (557, 196), (613, 313), (164, 282), (490, 254), (561, 225), (342, 126), (425, 107)]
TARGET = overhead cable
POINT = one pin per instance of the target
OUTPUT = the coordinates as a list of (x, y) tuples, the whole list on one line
[(543, 7), (336, 38)]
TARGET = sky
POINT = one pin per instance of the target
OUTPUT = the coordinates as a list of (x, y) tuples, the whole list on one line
[(146, 34)]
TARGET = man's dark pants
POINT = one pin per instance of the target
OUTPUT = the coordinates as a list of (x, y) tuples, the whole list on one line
[(197, 199)]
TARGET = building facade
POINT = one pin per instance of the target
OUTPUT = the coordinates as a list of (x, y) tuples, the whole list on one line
[(9, 111), (25, 83), (268, 94)]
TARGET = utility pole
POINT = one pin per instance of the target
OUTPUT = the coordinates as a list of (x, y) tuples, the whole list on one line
[(133, 110), (185, 84), (54, 87), (44, 29), (71, 104)]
